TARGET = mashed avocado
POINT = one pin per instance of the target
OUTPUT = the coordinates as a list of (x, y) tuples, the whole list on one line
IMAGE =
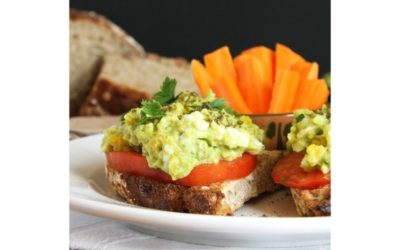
[(310, 132), (189, 130)]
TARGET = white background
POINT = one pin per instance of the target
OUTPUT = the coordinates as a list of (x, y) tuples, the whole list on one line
[(34, 124)]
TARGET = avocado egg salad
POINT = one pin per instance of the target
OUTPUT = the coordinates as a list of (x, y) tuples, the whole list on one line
[(170, 136), (307, 166), (310, 132)]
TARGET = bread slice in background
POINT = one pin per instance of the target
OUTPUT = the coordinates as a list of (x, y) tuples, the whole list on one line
[(221, 198), (125, 80), (92, 36)]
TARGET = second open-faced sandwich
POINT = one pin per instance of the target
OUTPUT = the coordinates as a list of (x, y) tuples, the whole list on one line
[(306, 169), (185, 153)]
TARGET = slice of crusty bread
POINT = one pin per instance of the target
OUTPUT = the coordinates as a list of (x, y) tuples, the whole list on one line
[(91, 36), (125, 80), (221, 198), (313, 202)]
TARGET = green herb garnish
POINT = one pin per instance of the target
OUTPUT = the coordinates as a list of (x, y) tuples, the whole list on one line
[(231, 111), (327, 78), (167, 93), (218, 104), (300, 117), (151, 110)]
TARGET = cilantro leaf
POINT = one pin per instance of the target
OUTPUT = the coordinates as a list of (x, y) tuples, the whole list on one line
[(151, 110), (218, 104), (167, 93), (221, 104), (141, 121), (230, 111)]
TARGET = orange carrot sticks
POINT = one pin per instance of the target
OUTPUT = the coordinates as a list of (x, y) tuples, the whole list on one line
[(267, 58), (201, 77), (304, 94), (310, 71), (225, 87), (284, 92), (311, 94), (252, 82), (320, 96), (219, 62), (261, 80), (286, 58)]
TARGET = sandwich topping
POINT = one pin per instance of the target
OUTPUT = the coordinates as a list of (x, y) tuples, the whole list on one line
[(308, 166), (178, 133), (310, 133)]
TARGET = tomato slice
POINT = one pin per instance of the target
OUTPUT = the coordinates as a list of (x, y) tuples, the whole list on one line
[(135, 163), (288, 172), (203, 174)]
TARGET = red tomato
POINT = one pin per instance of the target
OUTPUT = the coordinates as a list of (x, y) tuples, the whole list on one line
[(203, 174), (288, 172)]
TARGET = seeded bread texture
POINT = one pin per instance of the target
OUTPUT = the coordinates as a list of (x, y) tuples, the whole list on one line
[(313, 202), (92, 36), (221, 198)]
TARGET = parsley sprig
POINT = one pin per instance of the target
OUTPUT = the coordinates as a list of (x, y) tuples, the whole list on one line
[(221, 104), (152, 110), (167, 93)]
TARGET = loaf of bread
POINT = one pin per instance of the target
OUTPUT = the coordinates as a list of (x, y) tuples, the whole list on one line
[(125, 80), (92, 36), (221, 198)]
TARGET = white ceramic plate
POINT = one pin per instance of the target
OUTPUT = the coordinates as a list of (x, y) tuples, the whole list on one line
[(267, 221)]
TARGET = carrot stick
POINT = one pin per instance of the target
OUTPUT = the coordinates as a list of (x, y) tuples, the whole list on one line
[(307, 70), (311, 94), (225, 87), (252, 82), (305, 92), (201, 77), (300, 66), (219, 62), (267, 58), (286, 58), (310, 71), (284, 92), (321, 95)]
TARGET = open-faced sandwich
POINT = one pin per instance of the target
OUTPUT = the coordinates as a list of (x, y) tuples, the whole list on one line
[(185, 153), (306, 170)]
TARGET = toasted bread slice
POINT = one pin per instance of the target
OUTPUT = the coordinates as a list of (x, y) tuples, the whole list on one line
[(125, 80), (91, 36), (221, 198), (313, 202)]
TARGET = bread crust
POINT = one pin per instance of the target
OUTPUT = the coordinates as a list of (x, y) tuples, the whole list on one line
[(146, 192), (116, 98), (313, 202), (97, 19), (221, 198)]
